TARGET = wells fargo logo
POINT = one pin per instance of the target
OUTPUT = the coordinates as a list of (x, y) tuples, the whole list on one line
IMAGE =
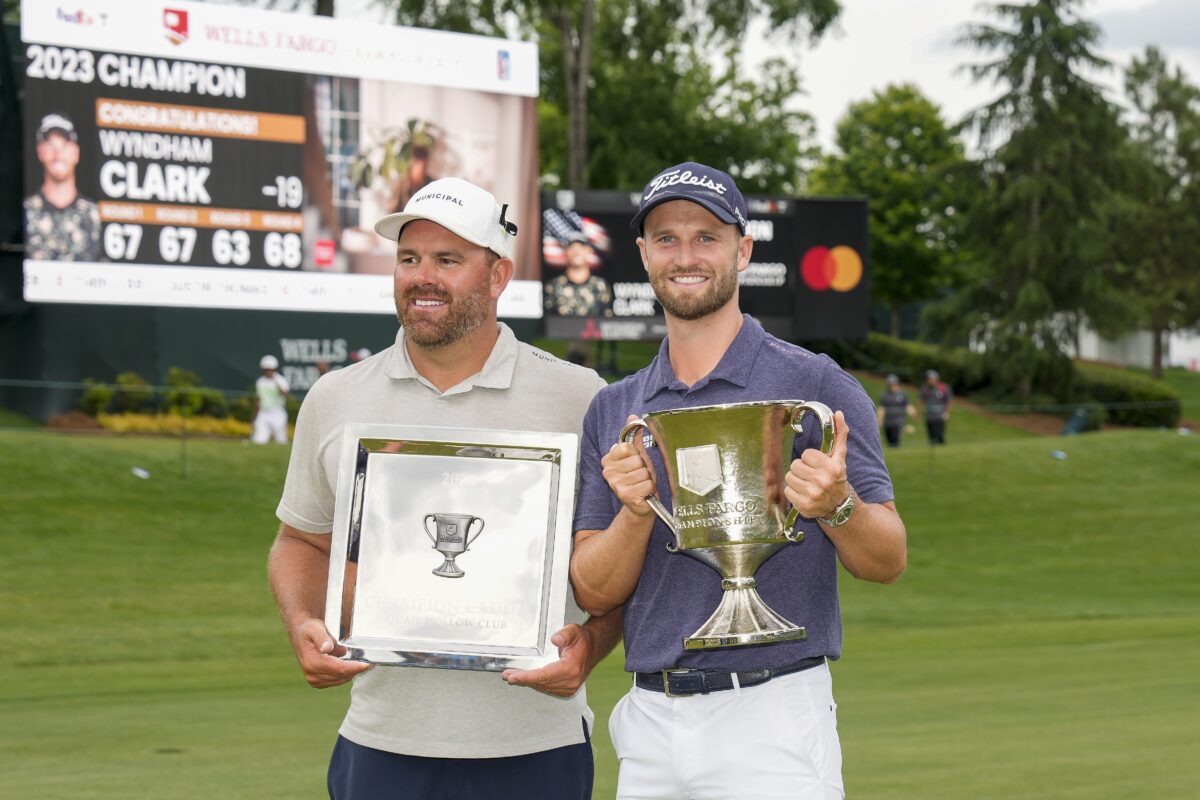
[(838, 268), (175, 25)]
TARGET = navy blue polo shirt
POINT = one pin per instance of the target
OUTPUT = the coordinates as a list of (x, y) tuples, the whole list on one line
[(677, 593)]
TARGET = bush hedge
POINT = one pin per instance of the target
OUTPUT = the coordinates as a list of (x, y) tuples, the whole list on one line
[(1107, 394), (173, 424), (1129, 398), (183, 395)]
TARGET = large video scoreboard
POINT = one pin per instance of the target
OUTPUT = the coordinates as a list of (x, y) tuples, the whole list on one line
[(188, 154)]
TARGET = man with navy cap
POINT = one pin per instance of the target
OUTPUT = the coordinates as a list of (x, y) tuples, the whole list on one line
[(433, 733), (754, 721), (60, 223)]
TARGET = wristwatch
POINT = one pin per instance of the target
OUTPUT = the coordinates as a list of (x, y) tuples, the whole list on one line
[(841, 514)]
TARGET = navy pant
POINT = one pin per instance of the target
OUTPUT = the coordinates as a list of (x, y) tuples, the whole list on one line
[(363, 773)]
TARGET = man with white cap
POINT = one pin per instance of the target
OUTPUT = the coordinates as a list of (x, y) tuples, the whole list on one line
[(60, 223), (431, 733), (743, 722), (270, 403)]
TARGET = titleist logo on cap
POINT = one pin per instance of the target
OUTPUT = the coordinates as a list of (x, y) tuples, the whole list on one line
[(436, 196), (675, 177)]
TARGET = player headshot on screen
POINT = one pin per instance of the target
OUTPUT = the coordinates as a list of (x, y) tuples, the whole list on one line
[(60, 223), (577, 292)]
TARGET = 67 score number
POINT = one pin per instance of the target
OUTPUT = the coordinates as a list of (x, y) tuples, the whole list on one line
[(176, 245)]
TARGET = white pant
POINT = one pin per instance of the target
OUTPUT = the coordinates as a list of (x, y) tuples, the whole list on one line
[(270, 422), (775, 740)]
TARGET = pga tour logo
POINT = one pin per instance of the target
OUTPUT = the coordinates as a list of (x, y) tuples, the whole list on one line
[(176, 24)]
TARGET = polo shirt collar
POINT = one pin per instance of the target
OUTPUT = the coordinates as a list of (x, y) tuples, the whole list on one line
[(497, 371), (735, 367)]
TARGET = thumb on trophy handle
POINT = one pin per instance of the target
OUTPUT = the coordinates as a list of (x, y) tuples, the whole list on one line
[(425, 525), (631, 427), (824, 415)]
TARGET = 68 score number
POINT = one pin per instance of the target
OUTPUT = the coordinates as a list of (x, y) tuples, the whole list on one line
[(177, 245)]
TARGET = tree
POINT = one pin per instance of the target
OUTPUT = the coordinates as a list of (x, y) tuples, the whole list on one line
[(1049, 140), (1153, 224), (627, 52), (319, 8), (896, 149)]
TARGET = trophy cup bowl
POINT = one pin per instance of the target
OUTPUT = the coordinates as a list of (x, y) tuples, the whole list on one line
[(451, 539), (725, 469)]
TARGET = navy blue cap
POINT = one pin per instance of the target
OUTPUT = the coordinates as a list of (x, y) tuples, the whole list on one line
[(709, 187)]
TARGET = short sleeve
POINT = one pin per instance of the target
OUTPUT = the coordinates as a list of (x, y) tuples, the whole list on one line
[(865, 466), (594, 505), (308, 501)]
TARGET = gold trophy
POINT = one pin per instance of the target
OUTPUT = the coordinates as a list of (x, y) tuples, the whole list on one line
[(725, 468)]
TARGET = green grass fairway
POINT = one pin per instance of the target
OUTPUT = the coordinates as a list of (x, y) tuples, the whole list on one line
[(1044, 643)]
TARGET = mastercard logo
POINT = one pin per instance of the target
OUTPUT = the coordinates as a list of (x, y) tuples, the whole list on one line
[(839, 268)]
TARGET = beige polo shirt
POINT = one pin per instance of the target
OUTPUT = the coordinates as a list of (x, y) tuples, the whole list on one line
[(433, 712)]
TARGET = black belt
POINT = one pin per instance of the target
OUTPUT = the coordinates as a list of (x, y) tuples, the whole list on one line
[(685, 682)]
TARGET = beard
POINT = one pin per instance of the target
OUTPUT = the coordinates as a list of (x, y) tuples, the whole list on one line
[(692, 305), (463, 316)]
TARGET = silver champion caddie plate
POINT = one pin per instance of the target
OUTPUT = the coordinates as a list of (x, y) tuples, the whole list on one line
[(451, 546)]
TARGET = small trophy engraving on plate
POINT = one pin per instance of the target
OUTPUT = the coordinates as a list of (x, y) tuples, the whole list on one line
[(451, 539)]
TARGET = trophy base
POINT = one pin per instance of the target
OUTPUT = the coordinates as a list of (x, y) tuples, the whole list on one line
[(742, 618), (449, 570)]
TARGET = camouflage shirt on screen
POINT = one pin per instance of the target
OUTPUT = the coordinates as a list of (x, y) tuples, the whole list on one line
[(71, 233), (589, 299)]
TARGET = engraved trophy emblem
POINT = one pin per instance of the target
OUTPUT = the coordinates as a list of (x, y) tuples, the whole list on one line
[(451, 539), (725, 467)]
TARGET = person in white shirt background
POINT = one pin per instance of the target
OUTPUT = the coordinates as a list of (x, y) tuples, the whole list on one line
[(270, 405)]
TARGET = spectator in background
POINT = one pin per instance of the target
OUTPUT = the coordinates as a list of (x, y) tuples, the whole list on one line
[(577, 292), (60, 223), (894, 409), (936, 397), (270, 404)]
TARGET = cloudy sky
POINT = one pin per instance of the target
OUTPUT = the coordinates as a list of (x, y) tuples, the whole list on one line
[(886, 41), (889, 41)]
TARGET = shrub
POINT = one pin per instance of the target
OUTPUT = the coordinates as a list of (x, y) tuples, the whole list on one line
[(187, 396), (1129, 398), (242, 408), (1107, 394), (132, 395), (965, 371), (172, 424), (96, 397)]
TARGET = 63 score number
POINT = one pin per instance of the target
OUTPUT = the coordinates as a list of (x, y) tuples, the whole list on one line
[(177, 245)]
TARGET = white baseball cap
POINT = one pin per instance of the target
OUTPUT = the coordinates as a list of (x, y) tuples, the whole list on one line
[(460, 207), (268, 362)]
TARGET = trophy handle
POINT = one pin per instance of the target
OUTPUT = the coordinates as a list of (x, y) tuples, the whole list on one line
[(825, 417), (471, 539), (425, 525), (627, 436)]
